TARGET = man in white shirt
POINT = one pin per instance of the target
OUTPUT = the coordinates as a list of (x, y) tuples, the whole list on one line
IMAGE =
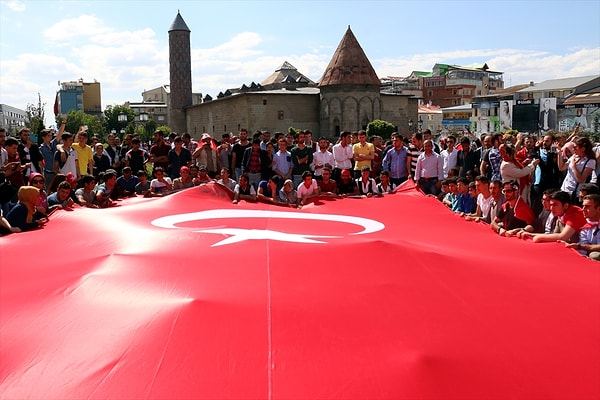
[(66, 159), (322, 158), (449, 155), (429, 172), (342, 155)]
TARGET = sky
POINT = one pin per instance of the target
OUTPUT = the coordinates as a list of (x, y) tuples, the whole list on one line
[(124, 44)]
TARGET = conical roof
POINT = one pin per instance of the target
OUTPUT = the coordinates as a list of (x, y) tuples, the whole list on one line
[(283, 72), (349, 65), (179, 24)]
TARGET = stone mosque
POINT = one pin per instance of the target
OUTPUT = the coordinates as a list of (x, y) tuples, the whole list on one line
[(347, 97)]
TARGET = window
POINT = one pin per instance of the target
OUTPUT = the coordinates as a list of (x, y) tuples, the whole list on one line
[(264, 102)]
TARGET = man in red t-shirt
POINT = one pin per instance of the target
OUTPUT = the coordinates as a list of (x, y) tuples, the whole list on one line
[(569, 223)]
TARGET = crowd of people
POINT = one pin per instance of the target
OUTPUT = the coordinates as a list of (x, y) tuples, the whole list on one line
[(540, 188)]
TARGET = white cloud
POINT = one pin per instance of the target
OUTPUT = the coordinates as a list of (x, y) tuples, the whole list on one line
[(519, 66), (127, 62), (66, 31), (17, 6), (238, 47)]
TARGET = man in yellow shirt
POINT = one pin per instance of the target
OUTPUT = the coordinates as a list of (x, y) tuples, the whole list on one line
[(85, 155), (364, 153)]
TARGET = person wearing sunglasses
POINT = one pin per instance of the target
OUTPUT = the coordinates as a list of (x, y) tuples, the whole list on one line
[(514, 213), (38, 181)]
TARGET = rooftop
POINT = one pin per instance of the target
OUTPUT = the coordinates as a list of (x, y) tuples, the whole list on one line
[(349, 65)]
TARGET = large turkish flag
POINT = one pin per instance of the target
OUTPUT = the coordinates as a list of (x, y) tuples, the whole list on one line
[(192, 297)]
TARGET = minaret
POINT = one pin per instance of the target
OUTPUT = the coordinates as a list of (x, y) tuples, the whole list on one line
[(180, 73)]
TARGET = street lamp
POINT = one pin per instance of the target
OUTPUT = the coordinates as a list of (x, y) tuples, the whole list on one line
[(410, 125), (143, 116), (122, 117)]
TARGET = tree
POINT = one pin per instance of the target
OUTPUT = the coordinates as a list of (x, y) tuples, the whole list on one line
[(35, 115), (111, 118), (75, 119), (380, 128)]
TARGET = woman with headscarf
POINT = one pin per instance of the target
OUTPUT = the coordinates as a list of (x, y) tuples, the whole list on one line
[(22, 214), (38, 181), (512, 169)]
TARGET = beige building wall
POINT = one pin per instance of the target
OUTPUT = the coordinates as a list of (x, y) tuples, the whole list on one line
[(277, 111), (92, 101), (398, 110), (255, 111)]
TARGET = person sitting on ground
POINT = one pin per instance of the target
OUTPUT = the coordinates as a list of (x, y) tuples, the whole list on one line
[(244, 190), (445, 189), (105, 190), (161, 184), (143, 187), (225, 180), (497, 199), (367, 186), (5, 227), (185, 179), (515, 212), (288, 194), (21, 215), (203, 176), (453, 195), (61, 199), (483, 202), (347, 185), (327, 186), (268, 191), (466, 202), (589, 239), (37, 180), (587, 188), (194, 174), (570, 220), (545, 222), (385, 186), (308, 189), (86, 195), (126, 183)]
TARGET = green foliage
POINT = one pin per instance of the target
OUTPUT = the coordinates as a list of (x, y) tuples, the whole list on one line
[(111, 118), (78, 118), (35, 115), (163, 128), (293, 130), (380, 128)]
